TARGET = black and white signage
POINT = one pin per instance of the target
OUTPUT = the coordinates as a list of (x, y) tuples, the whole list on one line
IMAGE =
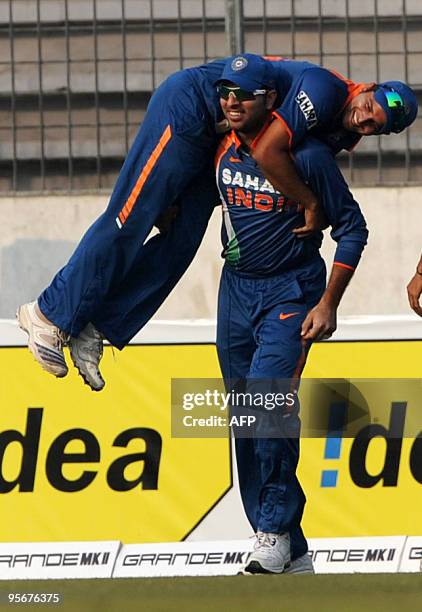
[(388, 554), (349, 555), (411, 560), (183, 559), (58, 560)]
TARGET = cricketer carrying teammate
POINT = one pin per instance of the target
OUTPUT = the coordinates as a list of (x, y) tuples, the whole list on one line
[(273, 301), (114, 283)]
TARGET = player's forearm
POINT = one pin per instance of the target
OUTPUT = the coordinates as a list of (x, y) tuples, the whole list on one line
[(272, 154), (279, 169), (321, 321), (339, 279)]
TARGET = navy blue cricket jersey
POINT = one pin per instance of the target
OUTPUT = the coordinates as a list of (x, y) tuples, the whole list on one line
[(258, 220), (312, 99)]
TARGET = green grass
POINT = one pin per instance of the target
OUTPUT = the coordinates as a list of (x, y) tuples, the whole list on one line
[(335, 593)]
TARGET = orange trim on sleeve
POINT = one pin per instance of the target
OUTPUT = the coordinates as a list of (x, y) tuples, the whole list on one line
[(342, 265), (289, 131), (146, 171)]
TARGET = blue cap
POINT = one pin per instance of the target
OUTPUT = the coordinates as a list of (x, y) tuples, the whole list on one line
[(399, 102), (249, 72)]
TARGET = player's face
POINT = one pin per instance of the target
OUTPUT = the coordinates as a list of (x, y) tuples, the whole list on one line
[(248, 116), (364, 115)]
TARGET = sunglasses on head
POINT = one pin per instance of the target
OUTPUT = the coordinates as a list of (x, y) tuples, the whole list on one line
[(241, 95), (397, 108)]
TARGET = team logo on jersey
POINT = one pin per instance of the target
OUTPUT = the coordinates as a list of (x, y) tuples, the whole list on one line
[(239, 63), (248, 181), (241, 189), (307, 109)]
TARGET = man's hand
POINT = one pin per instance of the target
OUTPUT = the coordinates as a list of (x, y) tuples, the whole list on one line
[(414, 291), (320, 323), (165, 220), (315, 221)]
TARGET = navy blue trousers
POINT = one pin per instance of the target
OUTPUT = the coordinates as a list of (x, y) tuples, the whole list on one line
[(169, 162), (158, 266), (256, 345)]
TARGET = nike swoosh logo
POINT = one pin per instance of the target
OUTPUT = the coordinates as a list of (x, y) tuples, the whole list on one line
[(236, 160), (288, 315)]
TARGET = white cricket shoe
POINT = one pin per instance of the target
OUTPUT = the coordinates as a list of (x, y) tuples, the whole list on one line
[(271, 554), (301, 565), (86, 351), (45, 340)]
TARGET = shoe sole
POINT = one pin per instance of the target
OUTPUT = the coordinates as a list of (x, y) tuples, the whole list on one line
[(299, 572), (300, 566), (23, 323), (254, 567), (83, 375)]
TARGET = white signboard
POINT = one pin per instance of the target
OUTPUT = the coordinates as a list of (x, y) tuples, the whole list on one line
[(334, 555), (58, 560), (183, 559), (411, 560), (218, 558), (350, 555)]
